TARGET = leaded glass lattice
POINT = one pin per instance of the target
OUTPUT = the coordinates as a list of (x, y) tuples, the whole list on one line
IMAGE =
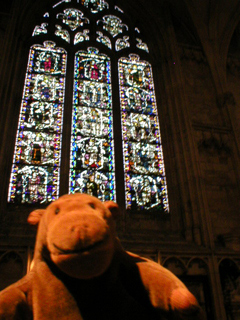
[(92, 159), (145, 180), (36, 162)]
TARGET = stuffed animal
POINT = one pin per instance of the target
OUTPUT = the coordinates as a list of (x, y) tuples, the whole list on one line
[(81, 272)]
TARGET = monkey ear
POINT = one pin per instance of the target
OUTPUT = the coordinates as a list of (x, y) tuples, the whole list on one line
[(113, 208), (35, 216)]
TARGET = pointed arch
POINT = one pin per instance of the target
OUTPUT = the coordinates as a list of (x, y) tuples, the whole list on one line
[(176, 265)]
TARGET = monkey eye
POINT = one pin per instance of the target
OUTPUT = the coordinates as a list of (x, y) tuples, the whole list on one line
[(92, 205), (57, 210)]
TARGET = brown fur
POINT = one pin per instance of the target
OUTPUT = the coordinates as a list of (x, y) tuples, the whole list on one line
[(81, 272)]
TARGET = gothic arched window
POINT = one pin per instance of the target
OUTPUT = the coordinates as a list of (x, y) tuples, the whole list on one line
[(88, 45)]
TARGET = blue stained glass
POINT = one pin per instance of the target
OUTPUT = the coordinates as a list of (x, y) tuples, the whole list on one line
[(92, 158)]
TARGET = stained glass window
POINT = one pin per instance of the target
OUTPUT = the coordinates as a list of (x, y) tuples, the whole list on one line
[(95, 6), (141, 45), (92, 159), (73, 18), (35, 170), (113, 25), (40, 29), (122, 43), (104, 40), (145, 180), (81, 36), (64, 34)]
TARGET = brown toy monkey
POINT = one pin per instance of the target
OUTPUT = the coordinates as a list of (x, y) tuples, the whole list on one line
[(81, 272)]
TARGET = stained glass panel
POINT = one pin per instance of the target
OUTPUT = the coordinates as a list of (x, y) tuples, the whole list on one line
[(141, 45), (35, 171), (73, 18), (104, 40), (145, 180), (81, 36), (113, 25), (62, 33), (122, 43), (95, 6), (92, 158), (40, 29)]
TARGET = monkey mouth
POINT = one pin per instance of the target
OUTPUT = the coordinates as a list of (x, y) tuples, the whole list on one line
[(80, 250)]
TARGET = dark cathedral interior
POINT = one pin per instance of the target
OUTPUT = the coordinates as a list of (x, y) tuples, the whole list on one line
[(163, 79)]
